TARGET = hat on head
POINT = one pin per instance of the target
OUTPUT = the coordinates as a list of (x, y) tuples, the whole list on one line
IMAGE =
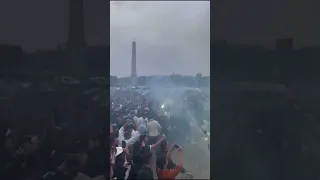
[(142, 129)]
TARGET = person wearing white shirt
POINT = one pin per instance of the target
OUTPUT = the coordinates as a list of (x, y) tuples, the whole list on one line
[(139, 121), (121, 136), (134, 135), (154, 129)]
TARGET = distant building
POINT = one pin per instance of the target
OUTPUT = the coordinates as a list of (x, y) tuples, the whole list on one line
[(284, 44)]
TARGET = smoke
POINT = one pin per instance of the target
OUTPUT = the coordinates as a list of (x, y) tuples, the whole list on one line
[(175, 99)]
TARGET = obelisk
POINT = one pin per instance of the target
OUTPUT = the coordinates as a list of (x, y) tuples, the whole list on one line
[(76, 44), (133, 64), (133, 60)]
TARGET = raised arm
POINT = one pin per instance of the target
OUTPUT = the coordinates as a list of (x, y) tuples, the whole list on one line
[(180, 160), (168, 155), (121, 132), (134, 138), (179, 166), (154, 146)]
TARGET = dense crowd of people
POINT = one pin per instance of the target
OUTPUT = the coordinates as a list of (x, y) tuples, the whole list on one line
[(63, 140), (139, 148), (69, 137)]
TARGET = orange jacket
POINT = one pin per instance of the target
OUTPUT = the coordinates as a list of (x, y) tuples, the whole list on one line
[(168, 174)]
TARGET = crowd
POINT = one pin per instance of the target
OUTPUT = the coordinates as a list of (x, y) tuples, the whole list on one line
[(53, 136), (66, 137), (139, 148)]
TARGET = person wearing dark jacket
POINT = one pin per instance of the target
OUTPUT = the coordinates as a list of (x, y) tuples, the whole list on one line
[(120, 170), (146, 157)]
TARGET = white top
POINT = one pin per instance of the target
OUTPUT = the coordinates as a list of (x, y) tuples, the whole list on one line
[(140, 120), (119, 151), (153, 128), (134, 137)]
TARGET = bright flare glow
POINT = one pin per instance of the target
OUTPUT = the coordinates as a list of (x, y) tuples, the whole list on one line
[(162, 106)]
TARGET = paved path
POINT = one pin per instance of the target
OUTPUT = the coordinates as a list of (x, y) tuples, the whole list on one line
[(196, 155)]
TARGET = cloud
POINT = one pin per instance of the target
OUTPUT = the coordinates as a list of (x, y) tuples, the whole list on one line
[(171, 37)]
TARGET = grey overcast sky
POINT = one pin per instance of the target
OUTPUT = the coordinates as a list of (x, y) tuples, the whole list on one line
[(170, 36)]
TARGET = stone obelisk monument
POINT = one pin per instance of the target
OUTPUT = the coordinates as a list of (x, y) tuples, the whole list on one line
[(76, 44), (133, 60), (133, 64)]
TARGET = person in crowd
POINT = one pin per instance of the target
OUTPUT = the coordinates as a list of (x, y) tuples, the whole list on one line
[(136, 165), (145, 171), (163, 121), (121, 165), (164, 170), (113, 150), (119, 122), (118, 164), (139, 150), (140, 120), (142, 130), (111, 172), (165, 152), (134, 168), (154, 131), (143, 139), (112, 129), (128, 134), (128, 164)]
